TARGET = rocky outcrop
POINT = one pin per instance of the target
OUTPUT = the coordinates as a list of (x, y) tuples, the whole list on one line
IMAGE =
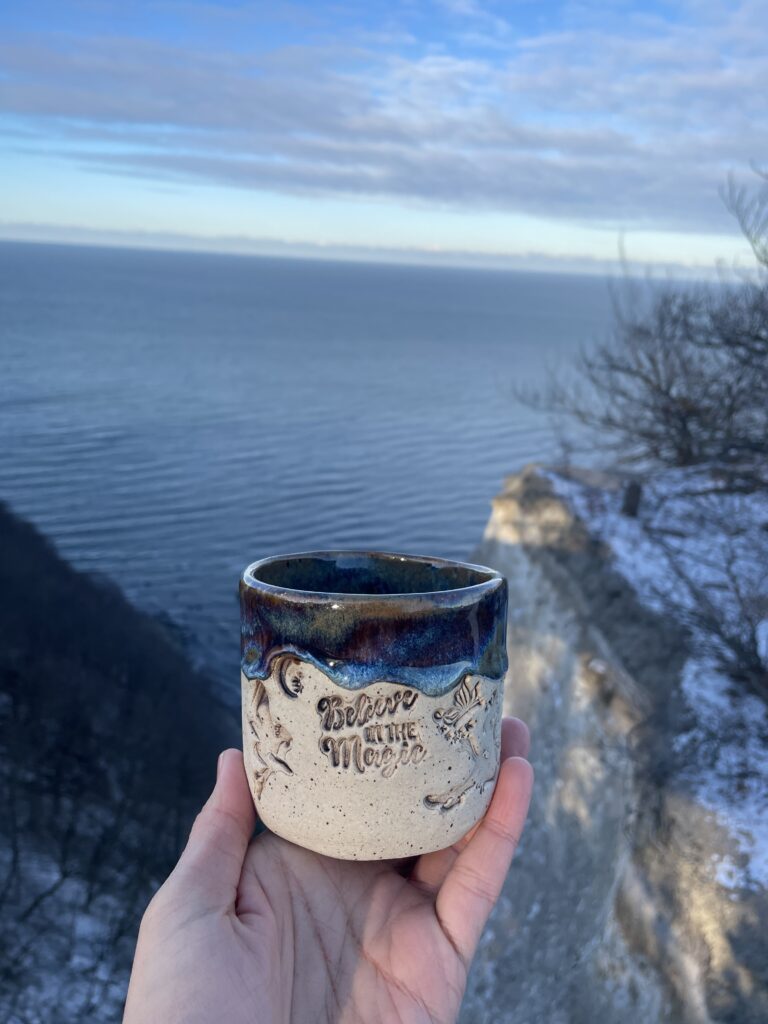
[(615, 909)]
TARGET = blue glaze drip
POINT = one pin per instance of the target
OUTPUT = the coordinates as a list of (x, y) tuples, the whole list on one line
[(426, 639), (433, 681)]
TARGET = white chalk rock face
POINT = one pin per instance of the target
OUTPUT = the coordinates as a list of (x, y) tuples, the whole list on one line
[(373, 773)]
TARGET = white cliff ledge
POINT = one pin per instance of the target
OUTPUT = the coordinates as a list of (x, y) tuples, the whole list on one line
[(640, 891)]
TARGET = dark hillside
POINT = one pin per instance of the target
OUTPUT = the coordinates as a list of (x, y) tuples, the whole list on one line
[(108, 743)]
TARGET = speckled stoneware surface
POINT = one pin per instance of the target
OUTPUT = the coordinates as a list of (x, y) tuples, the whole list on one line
[(372, 690)]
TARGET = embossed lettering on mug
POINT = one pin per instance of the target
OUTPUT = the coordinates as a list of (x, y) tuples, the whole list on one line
[(376, 744)]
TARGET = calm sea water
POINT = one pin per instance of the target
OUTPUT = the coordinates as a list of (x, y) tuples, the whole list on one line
[(167, 418)]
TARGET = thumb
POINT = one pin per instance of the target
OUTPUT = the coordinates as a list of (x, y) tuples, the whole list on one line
[(212, 861)]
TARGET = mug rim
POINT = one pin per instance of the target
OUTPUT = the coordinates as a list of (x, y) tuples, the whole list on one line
[(492, 576)]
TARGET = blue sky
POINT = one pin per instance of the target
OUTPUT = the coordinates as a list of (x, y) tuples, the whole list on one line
[(526, 133)]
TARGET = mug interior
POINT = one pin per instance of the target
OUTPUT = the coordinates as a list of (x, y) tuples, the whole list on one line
[(367, 573)]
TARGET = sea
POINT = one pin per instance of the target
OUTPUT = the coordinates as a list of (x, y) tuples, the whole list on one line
[(167, 418)]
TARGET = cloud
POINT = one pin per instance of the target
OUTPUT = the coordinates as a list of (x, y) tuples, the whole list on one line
[(472, 10), (632, 121)]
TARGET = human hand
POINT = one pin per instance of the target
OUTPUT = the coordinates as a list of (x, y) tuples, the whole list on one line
[(264, 931)]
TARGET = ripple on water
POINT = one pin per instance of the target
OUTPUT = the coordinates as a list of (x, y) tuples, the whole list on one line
[(173, 417)]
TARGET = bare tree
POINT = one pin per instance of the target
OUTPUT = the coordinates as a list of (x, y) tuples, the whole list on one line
[(683, 379), (719, 589), (682, 382), (750, 208)]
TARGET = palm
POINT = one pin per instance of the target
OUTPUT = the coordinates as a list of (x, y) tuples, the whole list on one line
[(264, 931), (362, 936)]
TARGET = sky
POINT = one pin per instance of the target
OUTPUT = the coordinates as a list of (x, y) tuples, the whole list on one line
[(525, 133)]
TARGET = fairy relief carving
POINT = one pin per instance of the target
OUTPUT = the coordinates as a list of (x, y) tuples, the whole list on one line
[(271, 740), (472, 720), (458, 723)]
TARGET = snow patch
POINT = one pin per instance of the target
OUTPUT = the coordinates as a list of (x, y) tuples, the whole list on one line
[(694, 546)]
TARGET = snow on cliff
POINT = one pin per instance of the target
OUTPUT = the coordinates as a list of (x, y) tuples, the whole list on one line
[(699, 553)]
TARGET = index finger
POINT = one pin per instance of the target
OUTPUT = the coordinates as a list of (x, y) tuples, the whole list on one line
[(474, 881), (430, 870)]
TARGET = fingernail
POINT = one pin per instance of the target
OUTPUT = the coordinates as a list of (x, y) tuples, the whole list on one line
[(218, 764)]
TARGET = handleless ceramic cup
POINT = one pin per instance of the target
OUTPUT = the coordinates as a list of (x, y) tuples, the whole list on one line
[(372, 688)]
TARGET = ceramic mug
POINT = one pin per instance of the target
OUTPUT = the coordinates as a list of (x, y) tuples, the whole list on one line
[(372, 691)]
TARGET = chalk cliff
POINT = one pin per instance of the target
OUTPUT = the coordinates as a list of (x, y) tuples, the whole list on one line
[(618, 907)]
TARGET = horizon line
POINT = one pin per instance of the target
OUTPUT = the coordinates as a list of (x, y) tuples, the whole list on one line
[(243, 245)]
